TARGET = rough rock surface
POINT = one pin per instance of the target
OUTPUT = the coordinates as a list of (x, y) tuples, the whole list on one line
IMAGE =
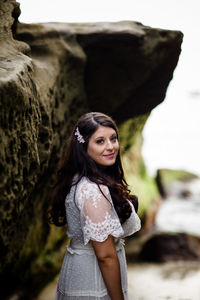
[(171, 247), (49, 75), (128, 65), (158, 246)]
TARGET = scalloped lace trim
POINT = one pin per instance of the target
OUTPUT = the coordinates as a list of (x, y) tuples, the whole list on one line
[(100, 231)]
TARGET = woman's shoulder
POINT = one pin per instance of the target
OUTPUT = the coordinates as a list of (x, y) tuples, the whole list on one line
[(86, 185)]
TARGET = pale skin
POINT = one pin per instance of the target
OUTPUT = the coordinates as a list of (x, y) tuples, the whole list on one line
[(109, 265), (103, 147)]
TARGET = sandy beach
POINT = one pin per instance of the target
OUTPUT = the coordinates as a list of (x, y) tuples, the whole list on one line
[(166, 281)]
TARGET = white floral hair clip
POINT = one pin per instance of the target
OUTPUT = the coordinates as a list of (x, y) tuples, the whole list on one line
[(79, 136)]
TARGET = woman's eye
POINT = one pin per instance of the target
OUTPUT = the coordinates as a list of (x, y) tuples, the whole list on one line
[(114, 138), (99, 141)]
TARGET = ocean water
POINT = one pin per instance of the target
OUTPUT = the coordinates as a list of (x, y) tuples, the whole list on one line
[(172, 134), (178, 213)]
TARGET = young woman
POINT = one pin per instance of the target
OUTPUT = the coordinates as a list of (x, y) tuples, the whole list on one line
[(91, 196)]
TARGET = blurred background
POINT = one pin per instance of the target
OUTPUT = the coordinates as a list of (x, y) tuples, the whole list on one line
[(172, 132), (164, 257)]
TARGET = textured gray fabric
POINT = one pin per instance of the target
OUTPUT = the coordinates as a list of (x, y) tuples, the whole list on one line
[(59, 296), (91, 216)]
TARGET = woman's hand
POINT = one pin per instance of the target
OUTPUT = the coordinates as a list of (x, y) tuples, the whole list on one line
[(109, 265)]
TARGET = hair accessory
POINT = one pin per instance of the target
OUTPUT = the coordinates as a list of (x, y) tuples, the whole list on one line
[(79, 136)]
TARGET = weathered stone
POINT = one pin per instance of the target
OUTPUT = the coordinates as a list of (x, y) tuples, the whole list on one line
[(171, 247), (49, 75), (154, 246), (129, 65), (137, 176), (139, 63), (8, 11)]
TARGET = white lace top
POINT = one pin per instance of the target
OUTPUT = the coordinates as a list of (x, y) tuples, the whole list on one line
[(90, 216)]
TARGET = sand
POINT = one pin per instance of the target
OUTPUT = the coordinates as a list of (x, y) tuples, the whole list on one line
[(166, 281), (172, 281)]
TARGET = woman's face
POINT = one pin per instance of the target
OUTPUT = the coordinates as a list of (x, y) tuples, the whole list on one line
[(103, 146)]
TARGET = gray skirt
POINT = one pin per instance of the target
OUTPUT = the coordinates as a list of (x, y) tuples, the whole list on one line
[(80, 276)]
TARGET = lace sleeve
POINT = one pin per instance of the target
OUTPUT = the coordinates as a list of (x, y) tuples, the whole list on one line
[(98, 216)]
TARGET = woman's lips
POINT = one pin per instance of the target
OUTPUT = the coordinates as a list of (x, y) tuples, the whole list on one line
[(110, 155)]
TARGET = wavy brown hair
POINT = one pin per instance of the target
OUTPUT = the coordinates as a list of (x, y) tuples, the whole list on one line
[(76, 161)]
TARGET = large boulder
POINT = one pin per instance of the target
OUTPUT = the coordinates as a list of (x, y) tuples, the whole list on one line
[(50, 74), (162, 247)]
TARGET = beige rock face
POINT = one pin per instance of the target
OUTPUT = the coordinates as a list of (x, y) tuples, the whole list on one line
[(9, 12), (49, 75)]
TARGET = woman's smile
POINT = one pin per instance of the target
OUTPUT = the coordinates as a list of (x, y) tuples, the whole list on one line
[(109, 155)]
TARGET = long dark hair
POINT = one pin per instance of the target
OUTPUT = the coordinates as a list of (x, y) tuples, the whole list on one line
[(76, 161)]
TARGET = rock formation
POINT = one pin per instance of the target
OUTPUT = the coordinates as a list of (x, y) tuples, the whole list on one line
[(49, 75), (171, 247)]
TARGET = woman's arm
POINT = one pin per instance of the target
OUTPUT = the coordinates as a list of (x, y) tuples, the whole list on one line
[(109, 265)]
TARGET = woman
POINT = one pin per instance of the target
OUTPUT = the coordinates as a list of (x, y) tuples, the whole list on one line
[(91, 196)]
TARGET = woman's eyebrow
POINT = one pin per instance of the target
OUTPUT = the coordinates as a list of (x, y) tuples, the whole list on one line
[(102, 137)]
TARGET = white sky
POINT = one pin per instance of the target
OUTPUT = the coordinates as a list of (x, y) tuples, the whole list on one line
[(172, 133)]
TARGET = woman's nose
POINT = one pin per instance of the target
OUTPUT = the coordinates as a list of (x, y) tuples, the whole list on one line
[(109, 145)]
